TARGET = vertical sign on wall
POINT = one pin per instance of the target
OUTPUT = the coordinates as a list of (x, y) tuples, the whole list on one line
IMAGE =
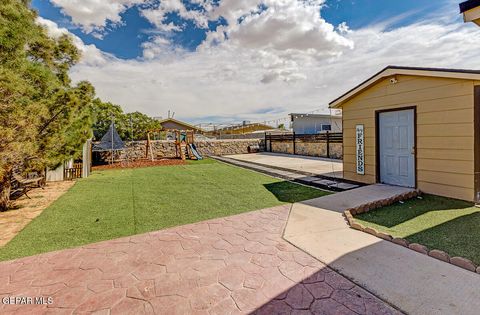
[(360, 152)]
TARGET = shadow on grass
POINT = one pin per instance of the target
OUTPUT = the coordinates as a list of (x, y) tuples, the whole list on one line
[(290, 192), (457, 237), (398, 213)]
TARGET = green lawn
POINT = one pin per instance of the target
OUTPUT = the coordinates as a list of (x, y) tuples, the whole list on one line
[(115, 203), (439, 223)]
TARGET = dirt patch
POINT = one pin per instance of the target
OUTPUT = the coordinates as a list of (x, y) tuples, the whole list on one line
[(25, 210), (140, 163)]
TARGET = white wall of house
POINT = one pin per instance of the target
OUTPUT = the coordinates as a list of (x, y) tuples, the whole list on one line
[(314, 124)]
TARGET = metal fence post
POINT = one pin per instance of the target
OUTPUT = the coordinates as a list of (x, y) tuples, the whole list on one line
[(265, 142), (293, 143), (328, 144)]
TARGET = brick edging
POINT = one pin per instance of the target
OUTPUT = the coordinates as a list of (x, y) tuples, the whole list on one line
[(435, 253)]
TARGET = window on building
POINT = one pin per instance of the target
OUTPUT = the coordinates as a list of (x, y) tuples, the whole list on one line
[(326, 127)]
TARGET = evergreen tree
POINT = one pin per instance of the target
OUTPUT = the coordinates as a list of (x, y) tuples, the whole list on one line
[(130, 126), (43, 119)]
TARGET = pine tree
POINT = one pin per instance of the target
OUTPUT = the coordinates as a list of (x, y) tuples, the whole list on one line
[(130, 126), (43, 119)]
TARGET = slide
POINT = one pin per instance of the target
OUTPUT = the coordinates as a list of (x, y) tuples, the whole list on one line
[(195, 152)]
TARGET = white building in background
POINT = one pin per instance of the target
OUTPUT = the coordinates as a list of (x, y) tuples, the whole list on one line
[(315, 123)]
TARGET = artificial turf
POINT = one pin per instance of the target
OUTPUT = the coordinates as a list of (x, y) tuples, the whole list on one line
[(439, 223), (116, 203)]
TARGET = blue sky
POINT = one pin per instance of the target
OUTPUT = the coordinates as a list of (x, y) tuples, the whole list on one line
[(258, 60), (124, 41)]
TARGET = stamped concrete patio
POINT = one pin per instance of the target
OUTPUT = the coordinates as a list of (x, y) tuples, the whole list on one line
[(232, 265)]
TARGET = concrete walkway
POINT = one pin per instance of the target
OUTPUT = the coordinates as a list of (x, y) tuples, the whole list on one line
[(415, 283), (233, 265), (307, 164)]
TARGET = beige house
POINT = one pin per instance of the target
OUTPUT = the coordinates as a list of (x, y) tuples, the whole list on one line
[(471, 11), (415, 127), (174, 124)]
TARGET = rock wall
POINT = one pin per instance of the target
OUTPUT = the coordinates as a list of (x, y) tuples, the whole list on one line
[(282, 147), (318, 149), (166, 149), (160, 148), (311, 149), (227, 147)]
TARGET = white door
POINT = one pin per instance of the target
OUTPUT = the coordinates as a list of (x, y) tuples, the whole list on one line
[(397, 148)]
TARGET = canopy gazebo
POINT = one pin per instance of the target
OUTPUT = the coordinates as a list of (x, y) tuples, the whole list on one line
[(110, 141)]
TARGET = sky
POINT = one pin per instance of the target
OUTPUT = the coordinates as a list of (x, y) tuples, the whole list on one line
[(225, 61)]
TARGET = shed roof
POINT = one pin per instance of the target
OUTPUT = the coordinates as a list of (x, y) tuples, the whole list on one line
[(468, 5), (399, 70), (187, 125)]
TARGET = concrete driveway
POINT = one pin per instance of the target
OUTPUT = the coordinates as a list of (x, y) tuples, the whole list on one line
[(233, 265), (307, 164)]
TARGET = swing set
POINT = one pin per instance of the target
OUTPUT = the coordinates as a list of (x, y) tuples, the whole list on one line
[(184, 144)]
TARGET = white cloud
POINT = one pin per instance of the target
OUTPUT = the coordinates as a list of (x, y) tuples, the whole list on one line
[(161, 48), (93, 15), (282, 33), (226, 83), (273, 54), (279, 34), (157, 14), (91, 55), (286, 25)]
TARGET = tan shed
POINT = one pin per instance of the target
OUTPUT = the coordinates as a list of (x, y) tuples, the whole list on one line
[(471, 11), (415, 127)]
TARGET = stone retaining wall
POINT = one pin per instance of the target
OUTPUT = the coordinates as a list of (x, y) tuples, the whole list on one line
[(318, 149), (228, 147), (166, 149), (282, 147)]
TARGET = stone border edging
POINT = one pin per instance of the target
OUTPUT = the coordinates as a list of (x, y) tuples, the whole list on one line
[(435, 253)]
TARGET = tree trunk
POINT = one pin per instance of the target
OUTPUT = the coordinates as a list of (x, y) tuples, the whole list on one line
[(4, 193)]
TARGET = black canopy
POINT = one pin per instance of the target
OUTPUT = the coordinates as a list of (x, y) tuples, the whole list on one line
[(110, 141)]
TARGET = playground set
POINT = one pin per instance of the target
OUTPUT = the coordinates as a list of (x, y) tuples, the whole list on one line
[(112, 143), (184, 144)]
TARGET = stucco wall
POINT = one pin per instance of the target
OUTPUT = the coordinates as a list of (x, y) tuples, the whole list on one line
[(444, 158)]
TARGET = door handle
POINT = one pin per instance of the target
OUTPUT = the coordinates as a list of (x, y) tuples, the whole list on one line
[(413, 150)]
